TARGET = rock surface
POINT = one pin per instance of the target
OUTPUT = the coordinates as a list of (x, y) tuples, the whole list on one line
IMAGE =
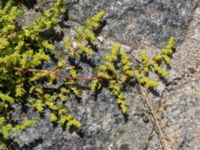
[(137, 24), (129, 21)]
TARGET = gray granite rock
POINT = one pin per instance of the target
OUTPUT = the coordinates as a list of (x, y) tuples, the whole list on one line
[(178, 104), (130, 20), (137, 24)]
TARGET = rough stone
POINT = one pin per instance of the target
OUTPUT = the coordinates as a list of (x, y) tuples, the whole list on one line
[(137, 24), (129, 21)]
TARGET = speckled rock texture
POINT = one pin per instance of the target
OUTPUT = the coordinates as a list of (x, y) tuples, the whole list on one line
[(129, 21), (137, 24)]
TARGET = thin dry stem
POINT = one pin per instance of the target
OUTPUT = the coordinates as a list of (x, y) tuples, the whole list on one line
[(144, 94), (56, 73)]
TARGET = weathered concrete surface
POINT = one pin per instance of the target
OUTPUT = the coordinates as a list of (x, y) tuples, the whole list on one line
[(138, 24)]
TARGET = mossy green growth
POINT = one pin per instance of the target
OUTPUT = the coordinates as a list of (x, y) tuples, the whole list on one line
[(117, 78), (22, 53), (25, 80)]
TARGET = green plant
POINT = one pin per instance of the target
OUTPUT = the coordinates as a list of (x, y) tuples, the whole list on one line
[(118, 78), (23, 78), (21, 49)]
